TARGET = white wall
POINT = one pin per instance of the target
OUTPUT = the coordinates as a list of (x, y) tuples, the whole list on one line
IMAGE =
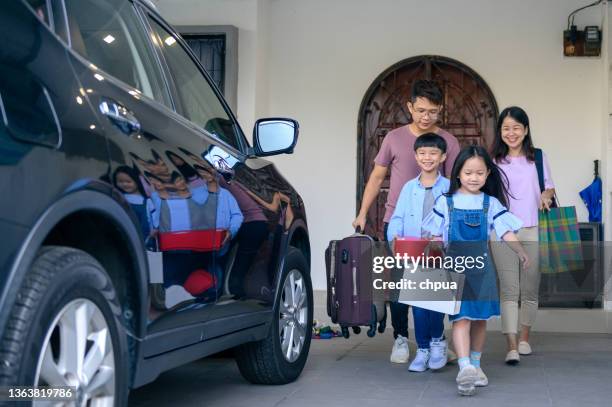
[(313, 60)]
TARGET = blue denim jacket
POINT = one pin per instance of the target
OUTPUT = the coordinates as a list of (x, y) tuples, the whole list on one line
[(408, 216)]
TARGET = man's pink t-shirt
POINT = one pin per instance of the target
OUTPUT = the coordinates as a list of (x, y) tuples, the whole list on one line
[(524, 187), (397, 153)]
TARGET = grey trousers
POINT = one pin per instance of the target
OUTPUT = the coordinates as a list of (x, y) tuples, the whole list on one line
[(516, 282)]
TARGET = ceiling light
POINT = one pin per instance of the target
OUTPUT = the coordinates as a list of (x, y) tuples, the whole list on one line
[(108, 39), (170, 41)]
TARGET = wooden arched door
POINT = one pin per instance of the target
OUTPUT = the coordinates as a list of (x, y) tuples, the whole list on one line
[(469, 113)]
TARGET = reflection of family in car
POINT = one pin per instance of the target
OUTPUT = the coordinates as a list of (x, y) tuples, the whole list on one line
[(194, 216)]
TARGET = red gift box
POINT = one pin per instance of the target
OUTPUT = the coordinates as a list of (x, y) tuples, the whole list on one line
[(414, 247), (194, 240)]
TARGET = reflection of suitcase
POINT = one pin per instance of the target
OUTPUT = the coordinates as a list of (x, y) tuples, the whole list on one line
[(351, 301)]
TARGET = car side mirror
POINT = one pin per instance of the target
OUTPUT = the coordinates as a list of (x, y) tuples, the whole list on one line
[(273, 136)]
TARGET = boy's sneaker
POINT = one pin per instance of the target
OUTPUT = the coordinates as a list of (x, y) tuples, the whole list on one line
[(466, 380), (400, 352), (482, 379), (524, 348), (438, 357), (419, 364)]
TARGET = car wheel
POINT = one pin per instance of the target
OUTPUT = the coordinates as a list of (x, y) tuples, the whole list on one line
[(64, 330), (281, 356)]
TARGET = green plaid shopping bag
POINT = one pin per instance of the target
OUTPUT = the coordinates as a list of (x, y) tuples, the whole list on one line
[(560, 247)]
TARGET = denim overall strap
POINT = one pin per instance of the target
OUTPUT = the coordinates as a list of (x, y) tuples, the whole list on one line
[(450, 208), (449, 203), (484, 223), (485, 204)]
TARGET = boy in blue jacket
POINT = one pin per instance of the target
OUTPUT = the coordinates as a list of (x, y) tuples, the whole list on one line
[(415, 202)]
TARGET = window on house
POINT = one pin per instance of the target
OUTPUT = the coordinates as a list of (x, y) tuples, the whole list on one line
[(199, 103), (210, 51), (216, 47)]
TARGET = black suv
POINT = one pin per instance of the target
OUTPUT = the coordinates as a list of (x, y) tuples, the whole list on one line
[(140, 230)]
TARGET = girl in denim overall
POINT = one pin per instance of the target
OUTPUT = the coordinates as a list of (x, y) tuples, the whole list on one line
[(474, 207)]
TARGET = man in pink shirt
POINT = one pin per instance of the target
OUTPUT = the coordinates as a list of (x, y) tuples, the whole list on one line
[(397, 152)]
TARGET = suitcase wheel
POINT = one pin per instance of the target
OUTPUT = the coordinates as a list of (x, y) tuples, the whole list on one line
[(345, 332), (356, 330), (383, 322), (372, 331)]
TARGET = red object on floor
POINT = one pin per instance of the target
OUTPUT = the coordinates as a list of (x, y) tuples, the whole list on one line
[(198, 282), (414, 247), (194, 240)]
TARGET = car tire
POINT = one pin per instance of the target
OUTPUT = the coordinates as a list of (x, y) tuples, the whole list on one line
[(64, 329), (278, 359)]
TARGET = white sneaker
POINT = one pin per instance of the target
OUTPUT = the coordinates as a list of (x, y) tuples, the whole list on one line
[(524, 348), (438, 357), (400, 352), (419, 364), (482, 379), (466, 380), (176, 294), (512, 358)]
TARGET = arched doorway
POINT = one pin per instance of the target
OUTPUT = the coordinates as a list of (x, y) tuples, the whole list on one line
[(469, 113)]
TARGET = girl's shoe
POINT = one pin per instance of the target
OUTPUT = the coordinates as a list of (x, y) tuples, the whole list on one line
[(438, 357), (524, 348), (466, 380), (419, 364), (513, 358), (482, 380)]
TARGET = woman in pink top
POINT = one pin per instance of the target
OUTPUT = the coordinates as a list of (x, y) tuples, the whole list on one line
[(514, 153)]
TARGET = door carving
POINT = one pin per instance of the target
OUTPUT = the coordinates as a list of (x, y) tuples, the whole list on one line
[(469, 113)]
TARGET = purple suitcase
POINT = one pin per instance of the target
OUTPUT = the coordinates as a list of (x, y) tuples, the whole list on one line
[(350, 296)]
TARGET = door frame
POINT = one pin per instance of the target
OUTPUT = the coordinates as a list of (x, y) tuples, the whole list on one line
[(360, 180)]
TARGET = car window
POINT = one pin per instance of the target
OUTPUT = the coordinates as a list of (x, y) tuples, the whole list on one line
[(110, 35), (199, 102)]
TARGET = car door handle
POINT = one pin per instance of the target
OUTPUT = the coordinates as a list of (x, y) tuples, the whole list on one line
[(121, 117)]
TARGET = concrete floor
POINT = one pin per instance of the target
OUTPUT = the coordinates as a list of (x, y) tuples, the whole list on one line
[(565, 370)]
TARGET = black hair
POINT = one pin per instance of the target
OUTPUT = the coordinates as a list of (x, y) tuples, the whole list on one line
[(156, 156), (148, 175), (185, 169), (133, 174), (499, 150), (496, 183), (201, 167), (430, 140), (429, 90), (175, 175), (187, 152)]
